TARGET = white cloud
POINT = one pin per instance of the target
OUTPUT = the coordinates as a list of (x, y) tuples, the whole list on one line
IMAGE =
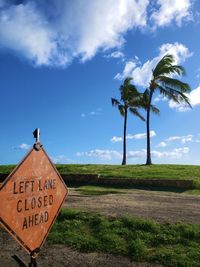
[(116, 139), (188, 138), (172, 10), (175, 153), (101, 154), (83, 115), (130, 65), (23, 147), (183, 150), (61, 159), (98, 111), (160, 98), (198, 73), (183, 139), (113, 154), (137, 154), (141, 135), (162, 144), (194, 98), (116, 54), (178, 50), (94, 113), (53, 33), (142, 74), (173, 138), (102, 25), (24, 30)]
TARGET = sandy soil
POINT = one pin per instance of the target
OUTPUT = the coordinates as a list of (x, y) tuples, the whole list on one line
[(156, 205), (160, 206)]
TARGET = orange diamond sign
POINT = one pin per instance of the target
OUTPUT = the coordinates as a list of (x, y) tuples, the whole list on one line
[(30, 200)]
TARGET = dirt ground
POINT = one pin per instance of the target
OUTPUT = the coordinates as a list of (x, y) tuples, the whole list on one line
[(61, 256), (159, 206)]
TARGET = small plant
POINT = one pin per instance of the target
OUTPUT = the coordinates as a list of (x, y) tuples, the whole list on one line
[(141, 240)]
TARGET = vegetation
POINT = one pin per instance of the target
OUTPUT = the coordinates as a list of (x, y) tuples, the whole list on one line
[(169, 87), (141, 240), (6, 168), (91, 190), (95, 190), (178, 172), (161, 80), (193, 192), (99, 190), (130, 100)]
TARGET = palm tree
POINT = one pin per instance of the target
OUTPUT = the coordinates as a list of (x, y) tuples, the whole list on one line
[(130, 101), (163, 81)]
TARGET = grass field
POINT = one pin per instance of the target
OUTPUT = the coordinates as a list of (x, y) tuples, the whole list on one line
[(139, 239), (94, 190), (6, 168), (99, 190), (177, 172)]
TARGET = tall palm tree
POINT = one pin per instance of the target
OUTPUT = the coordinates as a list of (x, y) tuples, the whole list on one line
[(130, 100), (163, 81)]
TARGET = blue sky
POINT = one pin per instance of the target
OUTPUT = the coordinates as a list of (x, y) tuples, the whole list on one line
[(62, 61)]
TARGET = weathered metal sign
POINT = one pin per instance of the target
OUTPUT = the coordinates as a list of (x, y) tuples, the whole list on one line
[(30, 200)]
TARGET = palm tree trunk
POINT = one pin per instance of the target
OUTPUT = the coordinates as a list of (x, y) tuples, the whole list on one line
[(124, 140), (148, 162)]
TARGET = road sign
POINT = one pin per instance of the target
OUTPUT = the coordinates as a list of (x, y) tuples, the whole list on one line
[(31, 198)]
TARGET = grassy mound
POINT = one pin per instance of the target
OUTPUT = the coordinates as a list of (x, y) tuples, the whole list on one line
[(178, 172)]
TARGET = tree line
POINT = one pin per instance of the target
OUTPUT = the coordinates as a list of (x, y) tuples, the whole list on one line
[(163, 81)]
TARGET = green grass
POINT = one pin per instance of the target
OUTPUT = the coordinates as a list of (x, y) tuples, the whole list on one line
[(99, 190), (178, 172), (6, 168), (140, 240), (193, 192), (92, 190), (164, 171), (134, 171)]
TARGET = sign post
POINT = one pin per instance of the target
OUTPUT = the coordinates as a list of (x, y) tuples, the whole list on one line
[(30, 200)]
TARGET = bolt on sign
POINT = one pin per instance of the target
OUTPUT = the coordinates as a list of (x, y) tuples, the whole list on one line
[(31, 198)]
